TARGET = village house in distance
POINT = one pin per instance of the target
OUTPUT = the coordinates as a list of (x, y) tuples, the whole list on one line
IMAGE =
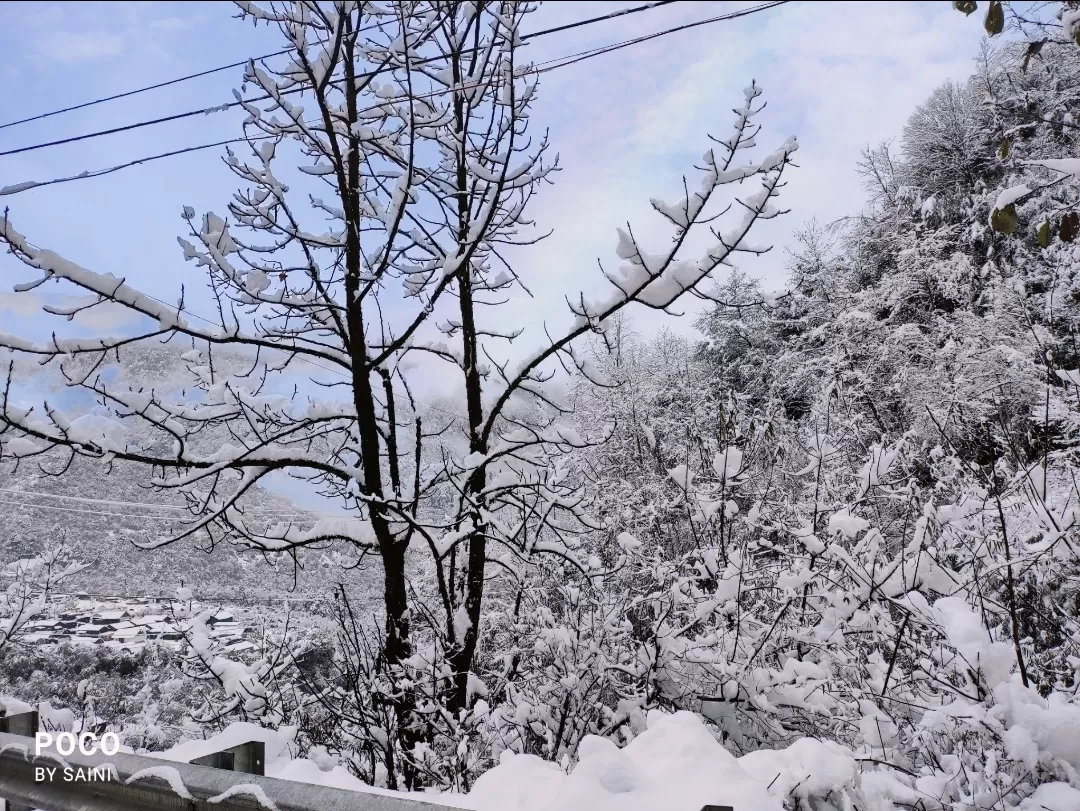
[(130, 623)]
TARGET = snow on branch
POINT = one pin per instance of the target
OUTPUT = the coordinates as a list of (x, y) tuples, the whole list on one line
[(659, 280)]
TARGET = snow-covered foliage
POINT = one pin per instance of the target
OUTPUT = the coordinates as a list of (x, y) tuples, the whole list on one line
[(842, 527), (888, 561), (388, 162), (246, 690)]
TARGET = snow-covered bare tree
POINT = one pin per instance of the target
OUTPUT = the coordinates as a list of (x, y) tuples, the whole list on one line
[(385, 178), (944, 142)]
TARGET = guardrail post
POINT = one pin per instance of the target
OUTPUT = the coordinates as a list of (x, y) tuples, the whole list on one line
[(249, 758), (23, 723)]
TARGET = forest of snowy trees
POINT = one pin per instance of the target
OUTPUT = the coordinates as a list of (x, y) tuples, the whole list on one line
[(845, 511)]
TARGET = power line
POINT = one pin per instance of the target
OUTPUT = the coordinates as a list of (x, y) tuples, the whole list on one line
[(143, 517), (542, 67), (127, 127), (84, 500), (623, 13), (21, 187), (18, 188), (166, 83), (232, 104), (210, 71), (136, 91), (731, 15)]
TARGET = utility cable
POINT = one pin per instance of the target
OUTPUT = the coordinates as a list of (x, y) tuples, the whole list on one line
[(543, 67), (210, 71), (239, 102)]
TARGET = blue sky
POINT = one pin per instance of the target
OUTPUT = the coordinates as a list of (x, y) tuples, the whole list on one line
[(626, 125), (838, 75)]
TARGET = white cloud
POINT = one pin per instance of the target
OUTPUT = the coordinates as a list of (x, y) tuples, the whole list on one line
[(21, 305), (107, 318), (83, 46), (628, 125)]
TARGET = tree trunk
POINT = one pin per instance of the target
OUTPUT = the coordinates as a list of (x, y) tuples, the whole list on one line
[(463, 652)]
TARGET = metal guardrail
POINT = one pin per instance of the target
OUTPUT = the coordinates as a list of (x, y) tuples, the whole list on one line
[(237, 791), (167, 785), (24, 723)]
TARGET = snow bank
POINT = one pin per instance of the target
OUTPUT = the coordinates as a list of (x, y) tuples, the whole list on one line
[(275, 741), (1053, 797), (805, 769), (281, 764), (676, 765), (1036, 724), (12, 706)]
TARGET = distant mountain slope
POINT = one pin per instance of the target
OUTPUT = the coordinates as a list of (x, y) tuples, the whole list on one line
[(70, 512), (99, 510)]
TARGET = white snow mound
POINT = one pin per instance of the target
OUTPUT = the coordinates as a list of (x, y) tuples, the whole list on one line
[(676, 765)]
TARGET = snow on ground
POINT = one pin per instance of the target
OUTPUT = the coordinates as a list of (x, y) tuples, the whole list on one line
[(676, 765), (281, 764)]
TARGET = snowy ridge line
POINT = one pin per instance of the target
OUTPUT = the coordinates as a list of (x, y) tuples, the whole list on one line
[(283, 52), (160, 785)]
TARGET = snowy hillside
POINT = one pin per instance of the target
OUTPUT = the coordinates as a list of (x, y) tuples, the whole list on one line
[(99, 515), (99, 510)]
